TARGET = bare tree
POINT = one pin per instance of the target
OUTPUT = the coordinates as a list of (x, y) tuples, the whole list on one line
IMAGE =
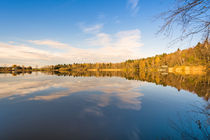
[(191, 16)]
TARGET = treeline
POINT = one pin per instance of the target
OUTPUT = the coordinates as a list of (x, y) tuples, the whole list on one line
[(84, 66), (15, 68), (198, 55)]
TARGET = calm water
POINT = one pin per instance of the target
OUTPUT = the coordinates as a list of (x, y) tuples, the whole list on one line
[(40, 106)]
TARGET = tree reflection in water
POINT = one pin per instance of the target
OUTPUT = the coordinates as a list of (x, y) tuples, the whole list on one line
[(198, 84), (196, 128), (194, 125)]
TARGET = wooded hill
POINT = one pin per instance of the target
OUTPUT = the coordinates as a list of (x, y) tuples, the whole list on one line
[(198, 55)]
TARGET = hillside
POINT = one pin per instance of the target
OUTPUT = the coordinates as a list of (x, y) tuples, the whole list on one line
[(198, 55)]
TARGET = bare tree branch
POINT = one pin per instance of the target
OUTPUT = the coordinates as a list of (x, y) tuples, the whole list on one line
[(191, 16)]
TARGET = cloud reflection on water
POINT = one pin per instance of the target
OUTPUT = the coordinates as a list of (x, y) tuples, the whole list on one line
[(125, 91)]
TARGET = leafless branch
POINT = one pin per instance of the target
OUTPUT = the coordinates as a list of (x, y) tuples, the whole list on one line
[(191, 16)]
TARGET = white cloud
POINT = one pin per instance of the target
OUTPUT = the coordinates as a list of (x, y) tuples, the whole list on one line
[(107, 48), (22, 54), (50, 43), (118, 47), (92, 29), (101, 39), (133, 5)]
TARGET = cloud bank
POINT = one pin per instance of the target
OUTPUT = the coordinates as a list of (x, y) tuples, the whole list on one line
[(105, 47), (50, 43)]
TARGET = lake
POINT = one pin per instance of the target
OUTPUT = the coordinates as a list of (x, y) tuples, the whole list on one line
[(103, 106)]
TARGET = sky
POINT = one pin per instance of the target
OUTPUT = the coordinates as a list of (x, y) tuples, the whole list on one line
[(48, 32)]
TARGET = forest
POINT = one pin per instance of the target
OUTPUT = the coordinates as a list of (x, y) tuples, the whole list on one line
[(195, 56), (15, 68), (198, 55)]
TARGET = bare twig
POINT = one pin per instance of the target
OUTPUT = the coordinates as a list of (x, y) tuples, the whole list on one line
[(190, 16)]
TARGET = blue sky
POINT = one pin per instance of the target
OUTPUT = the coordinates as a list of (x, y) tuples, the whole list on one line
[(41, 32)]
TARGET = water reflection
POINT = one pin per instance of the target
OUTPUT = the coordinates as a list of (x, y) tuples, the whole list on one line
[(103, 105), (185, 126), (126, 91), (199, 84)]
